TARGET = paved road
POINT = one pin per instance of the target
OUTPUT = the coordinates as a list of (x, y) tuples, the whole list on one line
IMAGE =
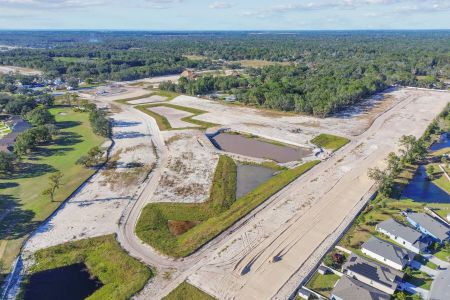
[(440, 288)]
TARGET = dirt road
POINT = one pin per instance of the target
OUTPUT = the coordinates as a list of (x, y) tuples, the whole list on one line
[(269, 255)]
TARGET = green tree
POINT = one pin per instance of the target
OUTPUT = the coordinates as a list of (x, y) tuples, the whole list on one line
[(7, 162), (93, 157), (430, 171), (40, 116), (54, 183)]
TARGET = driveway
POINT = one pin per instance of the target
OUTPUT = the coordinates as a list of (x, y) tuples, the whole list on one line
[(440, 288)]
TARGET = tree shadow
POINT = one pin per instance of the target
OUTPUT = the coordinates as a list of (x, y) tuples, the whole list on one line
[(125, 124), (46, 152), (15, 222), (129, 135), (68, 124), (30, 170), (8, 185), (67, 139)]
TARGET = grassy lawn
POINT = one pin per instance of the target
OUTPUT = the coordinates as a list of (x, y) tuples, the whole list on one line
[(419, 279), (21, 194), (323, 284), (214, 216), (121, 274), (442, 181), (330, 142), (425, 262), (186, 291), (164, 124), (443, 255)]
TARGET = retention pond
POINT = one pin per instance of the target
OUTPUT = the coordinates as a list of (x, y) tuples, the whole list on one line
[(70, 283), (250, 177), (254, 147)]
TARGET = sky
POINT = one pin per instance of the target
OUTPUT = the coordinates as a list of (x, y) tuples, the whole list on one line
[(224, 14)]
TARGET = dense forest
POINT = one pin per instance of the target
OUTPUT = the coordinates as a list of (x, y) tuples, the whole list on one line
[(322, 72)]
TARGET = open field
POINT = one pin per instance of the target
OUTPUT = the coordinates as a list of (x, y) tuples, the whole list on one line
[(153, 231), (330, 142), (20, 70), (272, 252), (187, 176), (122, 276), (293, 128), (98, 205), (258, 63), (23, 205), (185, 291), (170, 116)]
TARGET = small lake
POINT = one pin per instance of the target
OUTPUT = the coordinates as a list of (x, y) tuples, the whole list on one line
[(69, 283), (250, 177), (239, 144), (444, 142), (421, 189)]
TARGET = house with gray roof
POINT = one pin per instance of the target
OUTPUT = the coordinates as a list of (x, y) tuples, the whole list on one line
[(409, 238), (379, 276), (350, 289), (387, 253), (428, 225)]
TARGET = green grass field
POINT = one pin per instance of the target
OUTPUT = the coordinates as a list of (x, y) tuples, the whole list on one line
[(330, 142), (21, 194), (164, 124), (323, 284), (152, 225), (122, 276), (186, 291)]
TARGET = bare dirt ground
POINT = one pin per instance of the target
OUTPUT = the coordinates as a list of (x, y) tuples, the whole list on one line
[(174, 116), (97, 207), (151, 99), (296, 129), (118, 92), (20, 70), (303, 221), (187, 177)]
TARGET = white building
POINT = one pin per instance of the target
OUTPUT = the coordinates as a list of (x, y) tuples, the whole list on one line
[(409, 238), (387, 253)]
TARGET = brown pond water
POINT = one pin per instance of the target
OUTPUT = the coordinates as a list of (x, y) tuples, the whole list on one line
[(252, 147), (250, 177)]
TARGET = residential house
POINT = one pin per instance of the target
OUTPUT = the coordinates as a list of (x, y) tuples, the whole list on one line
[(351, 289), (381, 277), (387, 253), (409, 238), (428, 225)]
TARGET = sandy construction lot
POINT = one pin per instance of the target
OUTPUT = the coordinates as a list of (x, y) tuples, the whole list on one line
[(187, 177), (302, 222), (97, 207), (173, 115), (295, 129), (151, 99), (23, 71)]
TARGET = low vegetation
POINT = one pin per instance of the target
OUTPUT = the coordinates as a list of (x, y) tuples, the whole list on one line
[(329, 141), (122, 276), (164, 124), (214, 216), (186, 291), (22, 198), (323, 284)]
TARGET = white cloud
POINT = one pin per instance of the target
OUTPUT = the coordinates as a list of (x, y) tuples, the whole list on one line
[(221, 5), (62, 4)]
